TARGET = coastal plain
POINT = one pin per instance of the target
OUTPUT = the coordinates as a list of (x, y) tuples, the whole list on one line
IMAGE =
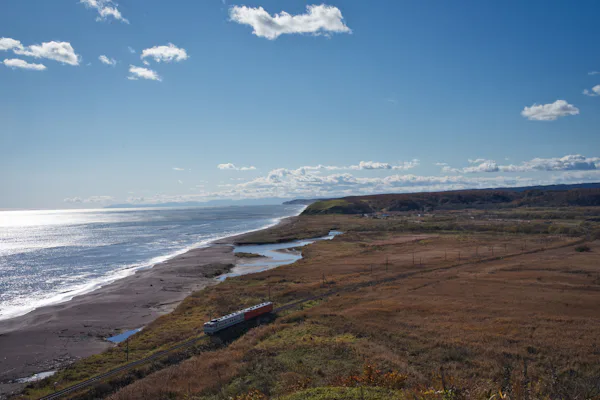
[(470, 302)]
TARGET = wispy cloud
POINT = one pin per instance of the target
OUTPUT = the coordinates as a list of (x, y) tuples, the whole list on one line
[(594, 73), (549, 112), (106, 9), (142, 73), (282, 182), (365, 165), (571, 162), (230, 166), (318, 19), (593, 92), (22, 64), (108, 61), (92, 199), (178, 169), (167, 53)]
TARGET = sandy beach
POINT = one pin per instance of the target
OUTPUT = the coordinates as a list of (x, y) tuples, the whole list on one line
[(54, 336)]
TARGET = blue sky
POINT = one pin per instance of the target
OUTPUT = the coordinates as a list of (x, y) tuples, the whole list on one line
[(412, 89)]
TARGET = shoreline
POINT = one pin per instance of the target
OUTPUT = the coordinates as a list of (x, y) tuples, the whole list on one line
[(117, 275), (56, 335)]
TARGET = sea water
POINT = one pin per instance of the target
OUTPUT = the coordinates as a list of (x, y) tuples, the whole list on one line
[(48, 257), (273, 255)]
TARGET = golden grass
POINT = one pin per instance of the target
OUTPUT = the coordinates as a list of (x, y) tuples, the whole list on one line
[(480, 305)]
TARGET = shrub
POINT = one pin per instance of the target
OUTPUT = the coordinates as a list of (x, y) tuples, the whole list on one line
[(583, 248), (251, 395), (374, 377)]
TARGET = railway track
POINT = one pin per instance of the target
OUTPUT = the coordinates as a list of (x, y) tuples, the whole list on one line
[(88, 382), (98, 378)]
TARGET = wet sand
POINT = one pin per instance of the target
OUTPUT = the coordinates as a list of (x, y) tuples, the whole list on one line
[(53, 336)]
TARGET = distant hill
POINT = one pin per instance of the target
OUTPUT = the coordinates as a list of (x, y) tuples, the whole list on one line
[(303, 201), (552, 187), (542, 196)]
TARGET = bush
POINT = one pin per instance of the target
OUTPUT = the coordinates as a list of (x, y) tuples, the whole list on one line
[(583, 248)]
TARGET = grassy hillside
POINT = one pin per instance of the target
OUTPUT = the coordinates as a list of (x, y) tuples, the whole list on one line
[(482, 199), (339, 206)]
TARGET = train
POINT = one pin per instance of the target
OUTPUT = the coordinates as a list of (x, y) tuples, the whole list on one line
[(215, 325)]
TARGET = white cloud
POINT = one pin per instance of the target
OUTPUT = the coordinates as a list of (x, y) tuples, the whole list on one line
[(571, 162), (476, 165), (364, 165), (178, 169), (482, 166), (378, 165), (232, 167), (287, 183), (108, 61), (300, 183), (22, 64), (595, 91), (62, 52), (131, 49), (226, 166), (577, 176), (594, 73), (165, 53), (319, 19), (9, 44), (92, 199), (549, 112), (106, 9), (476, 161), (143, 73)]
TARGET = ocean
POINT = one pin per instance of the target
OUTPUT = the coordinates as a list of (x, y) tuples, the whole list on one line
[(47, 257)]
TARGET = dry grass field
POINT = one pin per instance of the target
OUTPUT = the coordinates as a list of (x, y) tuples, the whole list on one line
[(476, 307)]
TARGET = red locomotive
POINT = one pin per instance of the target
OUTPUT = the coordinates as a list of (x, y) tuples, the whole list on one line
[(216, 325)]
